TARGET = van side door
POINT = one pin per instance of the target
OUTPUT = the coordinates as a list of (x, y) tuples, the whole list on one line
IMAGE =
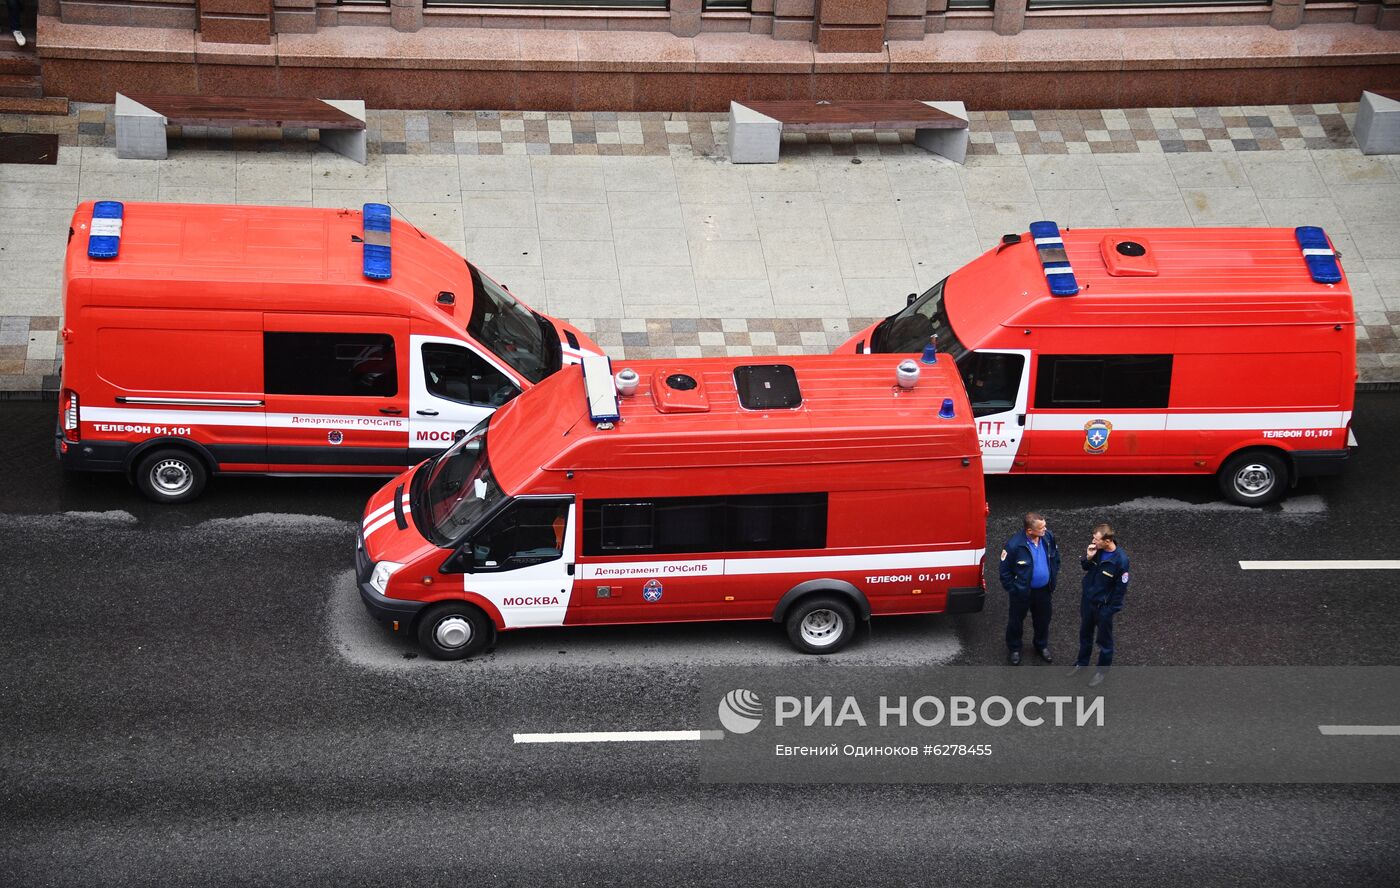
[(997, 383), (1098, 413), (451, 386), (337, 393)]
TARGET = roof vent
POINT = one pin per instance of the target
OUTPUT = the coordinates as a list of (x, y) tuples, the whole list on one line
[(676, 392), (1127, 258), (767, 387)]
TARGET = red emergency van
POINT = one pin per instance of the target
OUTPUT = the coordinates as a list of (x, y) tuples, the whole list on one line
[(238, 339), (811, 491), (1148, 351)]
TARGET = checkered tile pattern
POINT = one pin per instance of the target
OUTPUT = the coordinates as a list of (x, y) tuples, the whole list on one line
[(656, 133)]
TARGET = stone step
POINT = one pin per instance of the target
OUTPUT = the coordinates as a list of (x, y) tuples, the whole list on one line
[(14, 60), (47, 105), (25, 86)]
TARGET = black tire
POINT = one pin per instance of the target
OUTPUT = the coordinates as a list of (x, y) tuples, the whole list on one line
[(820, 624), (170, 476), (1254, 478), (442, 623)]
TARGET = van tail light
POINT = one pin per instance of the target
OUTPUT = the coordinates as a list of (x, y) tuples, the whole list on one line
[(72, 418), (982, 571)]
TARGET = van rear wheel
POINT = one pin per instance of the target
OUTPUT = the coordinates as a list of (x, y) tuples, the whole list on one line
[(1255, 478), (454, 630), (171, 476), (820, 624)]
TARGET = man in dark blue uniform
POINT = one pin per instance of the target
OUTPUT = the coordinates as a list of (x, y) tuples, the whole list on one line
[(1105, 583), (1030, 562)]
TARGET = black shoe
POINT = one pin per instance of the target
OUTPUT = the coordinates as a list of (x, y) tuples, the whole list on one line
[(1015, 657), (1097, 679), (1045, 655), (1075, 670)]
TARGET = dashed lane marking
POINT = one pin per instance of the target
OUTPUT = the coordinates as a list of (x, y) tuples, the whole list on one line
[(617, 736), (1342, 564), (1360, 730)]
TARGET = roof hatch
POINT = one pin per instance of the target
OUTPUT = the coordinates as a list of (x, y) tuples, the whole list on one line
[(767, 387)]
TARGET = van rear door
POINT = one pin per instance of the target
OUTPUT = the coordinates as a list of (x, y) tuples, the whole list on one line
[(337, 392)]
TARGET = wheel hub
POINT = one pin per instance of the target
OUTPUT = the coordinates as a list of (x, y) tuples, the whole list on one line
[(821, 627), (171, 477), (452, 632), (1254, 479)]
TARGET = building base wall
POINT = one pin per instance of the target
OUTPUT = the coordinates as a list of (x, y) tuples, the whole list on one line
[(600, 70)]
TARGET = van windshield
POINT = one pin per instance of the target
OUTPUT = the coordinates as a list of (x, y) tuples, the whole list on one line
[(909, 330), (456, 489), (513, 333)]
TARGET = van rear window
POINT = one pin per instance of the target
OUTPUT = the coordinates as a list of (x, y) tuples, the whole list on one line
[(330, 364)]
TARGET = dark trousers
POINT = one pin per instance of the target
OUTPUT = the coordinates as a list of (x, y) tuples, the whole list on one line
[(1095, 620), (12, 7), (1038, 603)]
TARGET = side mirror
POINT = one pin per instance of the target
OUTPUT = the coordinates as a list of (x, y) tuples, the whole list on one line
[(460, 561), (913, 297), (458, 435)]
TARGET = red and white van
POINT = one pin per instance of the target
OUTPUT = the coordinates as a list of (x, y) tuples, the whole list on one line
[(1148, 351), (813, 491), (237, 339)]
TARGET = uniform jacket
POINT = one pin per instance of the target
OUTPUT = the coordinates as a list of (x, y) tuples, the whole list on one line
[(1106, 579), (1016, 563)]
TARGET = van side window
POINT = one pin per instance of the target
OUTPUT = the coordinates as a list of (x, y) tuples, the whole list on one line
[(672, 525), (623, 527), (527, 532), (330, 364), (460, 374), (992, 381), (1070, 382)]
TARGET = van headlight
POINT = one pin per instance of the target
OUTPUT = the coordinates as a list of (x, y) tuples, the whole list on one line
[(382, 572)]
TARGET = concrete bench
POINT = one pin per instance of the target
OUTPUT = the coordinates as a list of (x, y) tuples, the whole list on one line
[(1378, 122), (756, 128), (141, 120)]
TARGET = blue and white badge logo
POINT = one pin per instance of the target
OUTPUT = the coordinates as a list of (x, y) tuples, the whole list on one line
[(651, 592), (335, 436), (1096, 432), (740, 711)]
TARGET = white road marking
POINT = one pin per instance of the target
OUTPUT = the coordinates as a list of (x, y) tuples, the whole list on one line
[(617, 736), (1360, 730), (1345, 564)]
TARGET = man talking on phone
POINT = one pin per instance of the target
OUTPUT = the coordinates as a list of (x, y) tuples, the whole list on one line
[(1105, 583)]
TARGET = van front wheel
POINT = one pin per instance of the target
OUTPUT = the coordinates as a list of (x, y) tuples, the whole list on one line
[(1255, 478), (454, 630), (171, 476), (820, 624)]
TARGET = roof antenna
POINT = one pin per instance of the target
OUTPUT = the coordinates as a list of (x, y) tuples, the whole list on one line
[(406, 219)]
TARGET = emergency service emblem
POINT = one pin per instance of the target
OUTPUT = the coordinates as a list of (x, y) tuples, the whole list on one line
[(335, 436), (1096, 432), (652, 591)]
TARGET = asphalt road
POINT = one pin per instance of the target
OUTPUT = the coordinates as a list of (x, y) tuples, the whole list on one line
[(193, 695)]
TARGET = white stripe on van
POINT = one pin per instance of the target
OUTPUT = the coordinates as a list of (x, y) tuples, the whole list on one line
[(700, 567), (1191, 422), (250, 419), (377, 513)]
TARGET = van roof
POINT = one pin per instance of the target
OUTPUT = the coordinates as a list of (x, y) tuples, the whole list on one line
[(1205, 277), (851, 411), (224, 246)]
